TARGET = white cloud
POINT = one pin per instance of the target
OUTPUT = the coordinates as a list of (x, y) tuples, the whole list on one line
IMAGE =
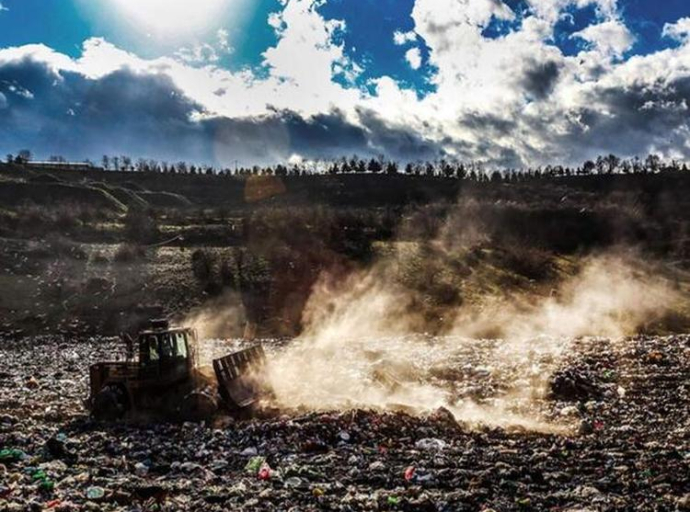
[(414, 58), (303, 84), (402, 38), (3, 101), (40, 53), (206, 53), (202, 53), (610, 37), (552, 10), (518, 97), (99, 58), (3, 8), (223, 38), (510, 100), (275, 21), (680, 30), (304, 61)]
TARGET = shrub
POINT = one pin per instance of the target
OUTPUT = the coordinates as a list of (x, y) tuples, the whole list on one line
[(203, 263), (141, 226), (227, 275), (96, 285), (66, 221), (530, 262), (127, 252), (98, 258), (61, 248)]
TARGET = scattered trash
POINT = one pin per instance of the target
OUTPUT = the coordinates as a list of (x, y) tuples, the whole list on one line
[(569, 410), (631, 455), (431, 444), (377, 466), (265, 472), (393, 500), (443, 415), (141, 469), (294, 482), (574, 384), (95, 493), (683, 502), (57, 449), (409, 473), (44, 482), (11, 455), (255, 464)]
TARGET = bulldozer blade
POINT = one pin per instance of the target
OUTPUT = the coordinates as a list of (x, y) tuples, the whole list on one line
[(239, 377)]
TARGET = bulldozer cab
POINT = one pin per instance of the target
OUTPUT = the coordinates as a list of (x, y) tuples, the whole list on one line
[(168, 354)]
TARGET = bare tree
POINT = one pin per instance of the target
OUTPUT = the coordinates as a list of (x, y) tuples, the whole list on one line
[(653, 162), (612, 162), (24, 156)]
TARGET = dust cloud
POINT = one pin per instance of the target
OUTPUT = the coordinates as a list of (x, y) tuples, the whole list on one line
[(219, 318), (612, 296), (361, 347)]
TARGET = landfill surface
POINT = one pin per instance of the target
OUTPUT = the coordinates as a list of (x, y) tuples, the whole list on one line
[(624, 444)]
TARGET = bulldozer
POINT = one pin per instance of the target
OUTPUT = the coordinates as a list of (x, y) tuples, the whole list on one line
[(162, 377)]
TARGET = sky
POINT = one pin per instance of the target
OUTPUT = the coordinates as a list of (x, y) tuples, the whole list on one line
[(509, 83)]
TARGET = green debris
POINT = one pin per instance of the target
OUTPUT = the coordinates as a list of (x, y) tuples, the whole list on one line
[(254, 464), (43, 480), (12, 455)]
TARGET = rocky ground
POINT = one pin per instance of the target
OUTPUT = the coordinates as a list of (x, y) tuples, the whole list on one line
[(627, 447)]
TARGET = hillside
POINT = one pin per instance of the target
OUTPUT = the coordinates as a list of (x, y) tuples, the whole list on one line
[(102, 250)]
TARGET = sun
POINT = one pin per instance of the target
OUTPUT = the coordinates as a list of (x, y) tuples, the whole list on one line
[(167, 17)]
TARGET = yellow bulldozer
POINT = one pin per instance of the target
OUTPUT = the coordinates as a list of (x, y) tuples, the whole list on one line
[(162, 377)]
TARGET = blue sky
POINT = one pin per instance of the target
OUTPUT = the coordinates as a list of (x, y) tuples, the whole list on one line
[(65, 24), (413, 78)]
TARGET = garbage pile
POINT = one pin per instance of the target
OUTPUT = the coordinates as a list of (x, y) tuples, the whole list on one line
[(630, 449)]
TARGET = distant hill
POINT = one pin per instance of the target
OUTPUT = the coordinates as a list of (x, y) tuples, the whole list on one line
[(46, 193)]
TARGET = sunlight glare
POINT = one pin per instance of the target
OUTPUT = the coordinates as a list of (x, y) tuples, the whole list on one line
[(167, 17)]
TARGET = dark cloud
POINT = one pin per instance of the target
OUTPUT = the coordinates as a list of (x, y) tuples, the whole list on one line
[(540, 78), (489, 123), (625, 120), (147, 115), (399, 141), (71, 115), (276, 136)]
